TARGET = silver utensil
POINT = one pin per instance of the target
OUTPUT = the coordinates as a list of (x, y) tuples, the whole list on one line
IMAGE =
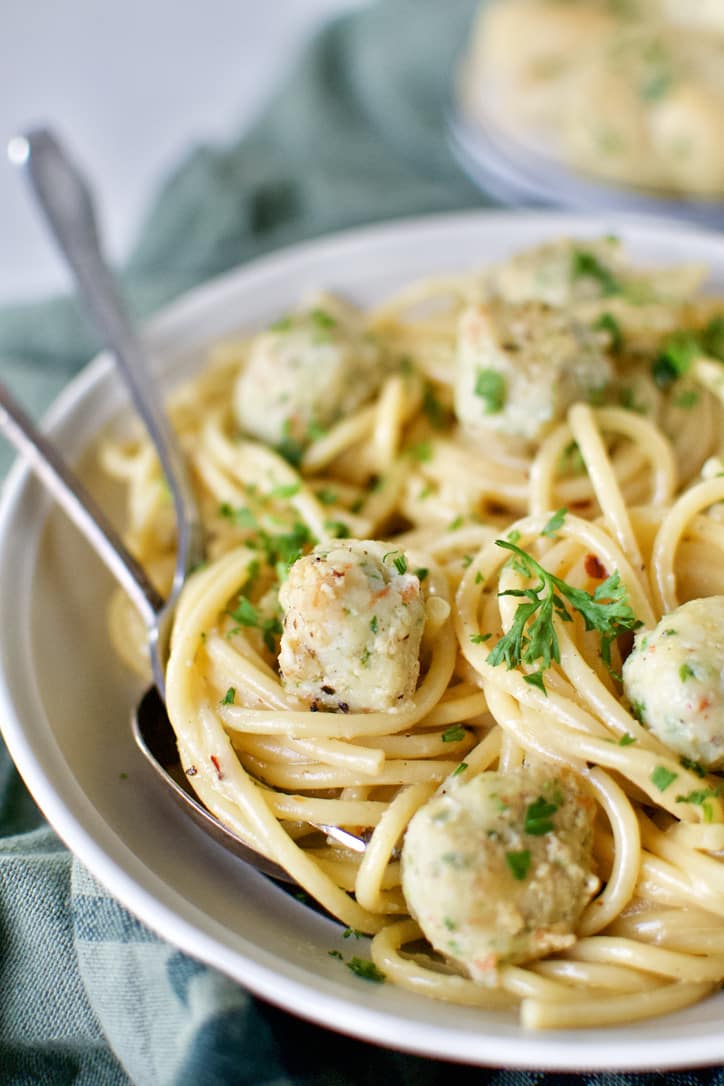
[(65, 199)]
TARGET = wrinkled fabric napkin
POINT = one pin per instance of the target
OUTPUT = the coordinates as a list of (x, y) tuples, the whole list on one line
[(87, 994)]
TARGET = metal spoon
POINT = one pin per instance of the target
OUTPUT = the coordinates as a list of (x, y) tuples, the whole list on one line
[(64, 197)]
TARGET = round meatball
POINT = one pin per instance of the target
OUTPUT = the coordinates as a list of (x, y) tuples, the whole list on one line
[(560, 273), (353, 622), (306, 372), (519, 368), (499, 869), (674, 679)]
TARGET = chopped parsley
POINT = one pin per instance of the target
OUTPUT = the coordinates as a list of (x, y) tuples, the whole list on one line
[(608, 323), (694, 767), (326, 496), (363, 967), (555, 523), (433, 409), (289, 448), (478, 639), (663, 777), (713, 338), (586, 265), (349, 932), (337, 528), (422, 451), (315, 431), (229, 696), (322, 319), (422, 574), (700, 795), (532, 636), (460, 769), (675, 358), (238, 515), (398, 560), (374, 625), (490, 387), (685, 672), (285, 491), (626, 740), (456, 523), (335, 954), (453, 734), (518, 863), (538, 817), (535, 678), (245, 613)]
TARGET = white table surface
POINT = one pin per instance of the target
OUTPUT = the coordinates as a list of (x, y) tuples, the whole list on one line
[(129, 87)]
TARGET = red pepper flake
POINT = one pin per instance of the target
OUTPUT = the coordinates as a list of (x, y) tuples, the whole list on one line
[(594, 568), (217, 767), (704, 704)]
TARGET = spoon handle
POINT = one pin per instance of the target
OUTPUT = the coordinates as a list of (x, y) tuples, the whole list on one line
[(65, 198), (67, 489)]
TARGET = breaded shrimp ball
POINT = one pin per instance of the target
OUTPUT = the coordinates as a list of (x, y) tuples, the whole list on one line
[(520, 367), (674, 679), (305, 372), (353, 623), (499, 870)]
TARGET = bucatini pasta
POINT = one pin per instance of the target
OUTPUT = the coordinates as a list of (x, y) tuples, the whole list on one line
[(452, 548)]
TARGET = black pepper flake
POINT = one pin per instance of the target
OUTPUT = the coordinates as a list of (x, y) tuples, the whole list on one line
[(191, 771), (327, 689), (343, 707)]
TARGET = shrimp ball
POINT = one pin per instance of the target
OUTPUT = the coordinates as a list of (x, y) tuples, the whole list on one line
[(520, 367), (499, 869), (353, 623), (306, 372), (560, 273), (674, 679)]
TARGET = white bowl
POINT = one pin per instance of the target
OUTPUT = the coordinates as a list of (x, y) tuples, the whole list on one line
[(71, 740)]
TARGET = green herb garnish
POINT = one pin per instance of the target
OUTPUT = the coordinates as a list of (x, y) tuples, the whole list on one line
[(453, 734), (538, 817), (555, 523), (608, 323), (490, 387), (532, 636), (228, 698), (366, 969), (675, 358), (519, 863), (663, 777), (586, 265)]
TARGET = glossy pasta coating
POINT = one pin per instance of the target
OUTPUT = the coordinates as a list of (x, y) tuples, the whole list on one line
[(519, 367), (674, 679), (353, 622), (499, 869), (305, 372)]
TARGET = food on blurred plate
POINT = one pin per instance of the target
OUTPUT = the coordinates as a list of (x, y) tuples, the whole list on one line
[(630, 92)]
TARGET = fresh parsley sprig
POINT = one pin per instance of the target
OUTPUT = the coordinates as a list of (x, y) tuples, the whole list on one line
[(532, 638)]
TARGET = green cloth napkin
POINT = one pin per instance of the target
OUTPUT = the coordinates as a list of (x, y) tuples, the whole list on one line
[(87, 994)]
